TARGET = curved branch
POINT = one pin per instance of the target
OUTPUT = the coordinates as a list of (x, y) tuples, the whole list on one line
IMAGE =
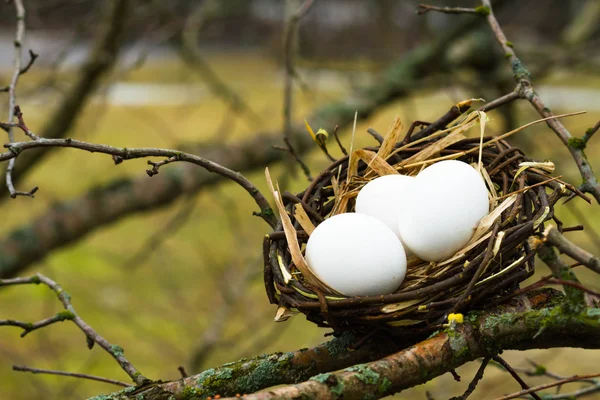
[(120, 154)]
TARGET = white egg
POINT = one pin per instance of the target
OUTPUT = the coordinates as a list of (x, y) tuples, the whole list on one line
[(383, 197), (443, 209), (357, 255)]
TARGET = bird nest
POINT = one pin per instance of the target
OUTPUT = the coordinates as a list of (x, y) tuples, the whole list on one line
[(489, 268)]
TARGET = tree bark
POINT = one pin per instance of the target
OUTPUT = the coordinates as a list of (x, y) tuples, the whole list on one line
[(532, 321)]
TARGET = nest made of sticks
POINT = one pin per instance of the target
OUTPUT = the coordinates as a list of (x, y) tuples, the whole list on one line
[(496, 259)]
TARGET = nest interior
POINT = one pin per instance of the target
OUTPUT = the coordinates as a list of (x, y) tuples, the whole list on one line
[(488, 269)]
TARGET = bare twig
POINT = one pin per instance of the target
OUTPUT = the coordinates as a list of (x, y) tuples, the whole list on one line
[(70, 314), (515, 375), (590, 132), (71, 374), (290, 73), (534, 389), (376, 135), (556, 239), (526, 91), (500, 101), (424, 8), (12, 95), (296, 157), (476, 378), (120, 154), (337, 139), (30, 327), (99, 61)]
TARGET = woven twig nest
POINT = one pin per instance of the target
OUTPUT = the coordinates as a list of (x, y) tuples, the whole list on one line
[(489, 267)]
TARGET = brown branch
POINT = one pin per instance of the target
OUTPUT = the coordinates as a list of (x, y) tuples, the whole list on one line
[(555, 238), (500, 101), (71, 374), (424, 8), (69, 313), (517, 326), (100, 60), (473, 385), (30, 327), (526, 91), (534, 389), (515, 375), (337, 139), (120, 154)]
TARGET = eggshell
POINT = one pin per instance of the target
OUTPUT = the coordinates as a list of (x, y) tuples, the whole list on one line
[(446, 202), (383, 197), (357, 255)]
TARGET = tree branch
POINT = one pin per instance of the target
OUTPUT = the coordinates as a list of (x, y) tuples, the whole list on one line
[(526, 91), (556, 239), (530, 321), (120, 154), (71, 374), (249, 375), (69, 313), (100, 60)]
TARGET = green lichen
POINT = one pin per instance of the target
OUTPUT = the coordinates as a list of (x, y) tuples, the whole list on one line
[(385, 385), (114, 396), (519, 71), (593, 312), (577, 143), (65, 315), (188, 393), (458, 343), (483, 10), (433, 334), (507, 55), (539, 370), (116, 350), (365, 374), (340, 344), (509, 44), (335, 385)]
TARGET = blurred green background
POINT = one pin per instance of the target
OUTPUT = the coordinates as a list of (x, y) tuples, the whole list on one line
[(181, 285)]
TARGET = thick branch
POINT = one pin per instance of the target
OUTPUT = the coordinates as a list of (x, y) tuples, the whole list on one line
[(531, 321), (482, 336), (249, 375)]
